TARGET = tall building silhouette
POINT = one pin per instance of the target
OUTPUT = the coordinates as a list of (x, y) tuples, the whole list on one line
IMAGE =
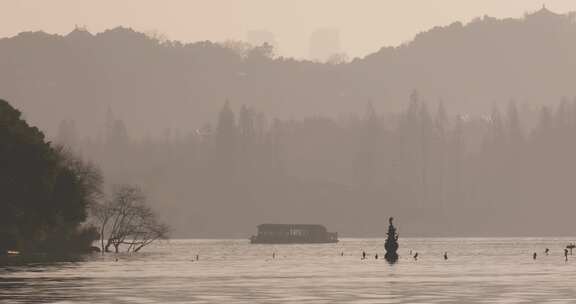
[(324, 43)]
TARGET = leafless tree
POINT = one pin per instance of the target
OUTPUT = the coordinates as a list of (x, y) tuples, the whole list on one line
[(102, 214), (125, 219)]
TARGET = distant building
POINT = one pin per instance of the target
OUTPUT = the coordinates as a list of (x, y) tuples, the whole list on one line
[(546, 17), (324, 43)]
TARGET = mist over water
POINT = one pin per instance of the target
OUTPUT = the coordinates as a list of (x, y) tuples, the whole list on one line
[(478, 270)]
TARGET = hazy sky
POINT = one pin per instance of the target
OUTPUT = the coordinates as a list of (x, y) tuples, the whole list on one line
[(364, 25)]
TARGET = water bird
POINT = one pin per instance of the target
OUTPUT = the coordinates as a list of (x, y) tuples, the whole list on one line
[(547, 251), (571, 246), (445, 256), (416, 256), (534, 255)]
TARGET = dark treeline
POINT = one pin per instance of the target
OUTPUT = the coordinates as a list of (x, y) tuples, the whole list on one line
[(51, 201), (45, 192), (510, 173), (156, 83)]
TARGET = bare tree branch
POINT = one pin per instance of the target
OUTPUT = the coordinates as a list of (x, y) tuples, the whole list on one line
[(125, 219)]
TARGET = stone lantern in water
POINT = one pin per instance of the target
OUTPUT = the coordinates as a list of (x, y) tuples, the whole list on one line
[(391, 244)]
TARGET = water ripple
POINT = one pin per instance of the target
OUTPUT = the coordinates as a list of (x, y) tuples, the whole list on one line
[(233, 271)]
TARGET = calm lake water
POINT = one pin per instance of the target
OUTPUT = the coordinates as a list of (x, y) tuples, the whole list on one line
[(483, 270)]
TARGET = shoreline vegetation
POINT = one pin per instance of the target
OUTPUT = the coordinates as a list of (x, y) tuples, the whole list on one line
[(50, 199)]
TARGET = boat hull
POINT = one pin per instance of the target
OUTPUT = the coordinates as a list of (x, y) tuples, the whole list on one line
[(255, 240)]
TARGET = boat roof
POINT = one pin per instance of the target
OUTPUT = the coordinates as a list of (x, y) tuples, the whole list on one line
[(291, 226)]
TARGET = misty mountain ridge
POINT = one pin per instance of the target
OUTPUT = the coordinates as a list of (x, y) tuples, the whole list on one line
[(223, 137), (156, 84)]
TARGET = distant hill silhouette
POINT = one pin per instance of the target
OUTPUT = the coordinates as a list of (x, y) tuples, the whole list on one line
[(471, 66), (156, 84)]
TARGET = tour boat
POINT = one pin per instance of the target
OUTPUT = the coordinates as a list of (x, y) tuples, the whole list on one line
[(293, 234)]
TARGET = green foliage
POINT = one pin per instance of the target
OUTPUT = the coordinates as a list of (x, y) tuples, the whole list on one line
[(44, 191)]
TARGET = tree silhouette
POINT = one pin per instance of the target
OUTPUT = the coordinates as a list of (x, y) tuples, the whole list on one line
[(45, 191)]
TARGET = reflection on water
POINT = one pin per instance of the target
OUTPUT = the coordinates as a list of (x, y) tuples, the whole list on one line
[(233, 271)]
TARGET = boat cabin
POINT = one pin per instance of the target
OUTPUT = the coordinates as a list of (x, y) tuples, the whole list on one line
[(293, 234)]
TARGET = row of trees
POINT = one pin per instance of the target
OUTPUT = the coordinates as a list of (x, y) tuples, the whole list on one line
[(48, 194), (468, 64), (442, 172), (45, 192)]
